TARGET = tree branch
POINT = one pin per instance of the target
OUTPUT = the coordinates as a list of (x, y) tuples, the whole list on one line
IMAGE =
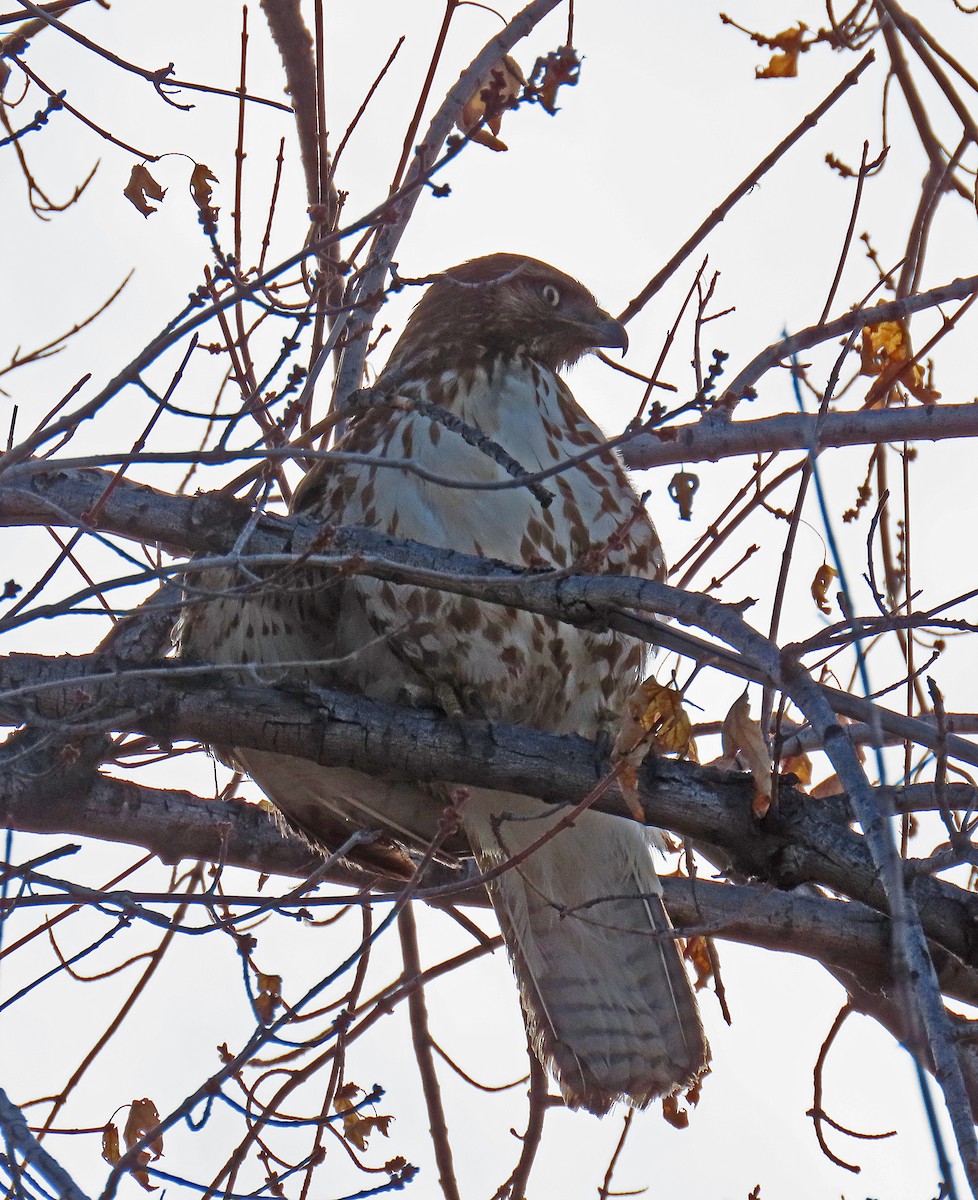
[(714, 436)]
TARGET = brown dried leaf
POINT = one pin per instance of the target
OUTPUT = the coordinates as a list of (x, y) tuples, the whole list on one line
[(697, 952), (654, 719), (140, 1175), (269, 997), (356, 1127), (743, 741), (820, 586), (111, 1150), (560, 67), (142, 188), (497, 90), (682, 489), (628, 782), (200, 188), (143, 1117), (676, 1116)]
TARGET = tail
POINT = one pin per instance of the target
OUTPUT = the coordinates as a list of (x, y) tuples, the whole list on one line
[(607, 1003)]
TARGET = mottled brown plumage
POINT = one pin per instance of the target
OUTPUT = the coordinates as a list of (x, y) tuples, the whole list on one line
[(607, 1002)]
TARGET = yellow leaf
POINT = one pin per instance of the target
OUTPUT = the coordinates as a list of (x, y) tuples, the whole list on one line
[(743, 741), (799, 765), (783, 65), (497, 90), (655, 714), (142, 188), (654, 719), (820, 585), (886, 353)]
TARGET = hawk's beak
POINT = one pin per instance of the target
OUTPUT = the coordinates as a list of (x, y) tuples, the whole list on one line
[(609, 333)]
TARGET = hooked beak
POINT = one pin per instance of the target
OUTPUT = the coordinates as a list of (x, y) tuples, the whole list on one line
[(609, 333)]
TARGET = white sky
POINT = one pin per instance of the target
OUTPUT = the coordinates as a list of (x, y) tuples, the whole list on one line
[(666, 119)]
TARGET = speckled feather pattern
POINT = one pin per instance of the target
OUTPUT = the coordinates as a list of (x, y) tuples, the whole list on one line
[(608, 1004)]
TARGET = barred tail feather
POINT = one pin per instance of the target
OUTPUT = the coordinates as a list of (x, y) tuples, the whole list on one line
[(608, 1004)]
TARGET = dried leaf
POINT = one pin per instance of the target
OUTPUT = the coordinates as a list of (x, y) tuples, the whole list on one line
[(682, 489), (744, 742), (497, 90), (655, 714), (654, 719), (142, 188), (356, 1127), (560, 68), (140, 1175), (676, 1116), (784, 65), (269, 997), (828, 787), (799, 765), (143, 1117), (886, 353), (111, 1150), (200, 188), (697, 952), (820, 586)]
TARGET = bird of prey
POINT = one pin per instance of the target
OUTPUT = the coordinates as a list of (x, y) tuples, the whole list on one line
[(473, 393)]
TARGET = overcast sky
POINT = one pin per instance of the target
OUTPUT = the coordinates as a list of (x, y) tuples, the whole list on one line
[(667, 118)]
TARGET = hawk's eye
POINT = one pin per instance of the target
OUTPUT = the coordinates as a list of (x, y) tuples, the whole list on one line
[(551, 295)]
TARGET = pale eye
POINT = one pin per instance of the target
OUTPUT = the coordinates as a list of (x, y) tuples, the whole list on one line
[(551, 295)]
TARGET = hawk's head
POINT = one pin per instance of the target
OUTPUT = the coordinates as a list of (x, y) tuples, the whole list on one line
[(502, 304)]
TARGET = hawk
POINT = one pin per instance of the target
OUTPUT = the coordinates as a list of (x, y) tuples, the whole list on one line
[(607, 1002)]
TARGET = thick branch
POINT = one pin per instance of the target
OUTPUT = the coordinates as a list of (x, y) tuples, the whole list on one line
[(801, 842), (716, 437), (175, 825), (39, 493)]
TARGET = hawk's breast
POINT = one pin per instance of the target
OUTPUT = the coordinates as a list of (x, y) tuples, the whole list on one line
[(488, 660)]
